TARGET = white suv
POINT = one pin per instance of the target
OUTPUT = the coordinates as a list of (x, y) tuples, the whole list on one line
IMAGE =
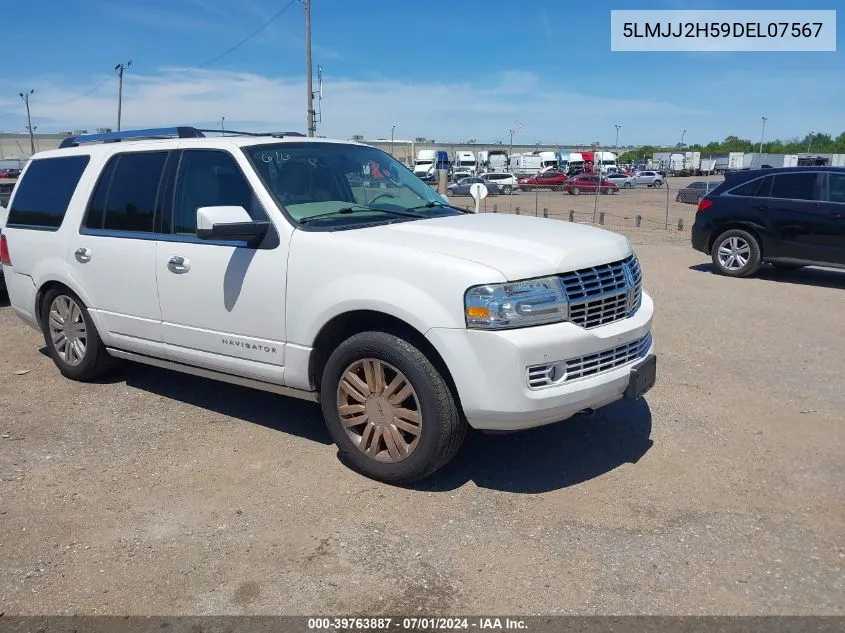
[(252, 260)]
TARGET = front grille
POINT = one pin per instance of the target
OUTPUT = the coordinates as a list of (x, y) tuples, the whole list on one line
[(550, 374), (609, 359), (603, 294)]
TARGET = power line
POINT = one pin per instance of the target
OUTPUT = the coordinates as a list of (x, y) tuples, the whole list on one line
[(247, 38), (203, 65), (84, 94)]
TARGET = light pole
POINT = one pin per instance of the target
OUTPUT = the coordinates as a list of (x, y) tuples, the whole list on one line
[(762, 135), (392, 130), (119, 70), (809, 141), (683, 134), (25, 97), (616, 146), (223, 125), (309, 87)]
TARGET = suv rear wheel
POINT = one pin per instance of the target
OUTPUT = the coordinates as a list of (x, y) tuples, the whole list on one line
[(72, 340), (507, 190), (388, 408), (736, 253)]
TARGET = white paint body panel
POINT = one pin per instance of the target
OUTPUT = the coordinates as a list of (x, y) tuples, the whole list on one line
[(257, 313)]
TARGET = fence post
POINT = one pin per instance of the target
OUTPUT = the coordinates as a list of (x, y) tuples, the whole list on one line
[(536, 200), (601, 217), (545, 212), (666, 219), (517, 210), (571, 215), (680, 224), (638, 219), (495, 208)]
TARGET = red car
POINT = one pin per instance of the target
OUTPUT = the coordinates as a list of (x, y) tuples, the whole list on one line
[(588, 184), (553, 180)]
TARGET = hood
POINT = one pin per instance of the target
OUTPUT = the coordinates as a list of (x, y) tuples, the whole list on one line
[(518, 246)]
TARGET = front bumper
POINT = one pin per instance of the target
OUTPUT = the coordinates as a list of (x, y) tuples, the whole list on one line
[(490, 369)]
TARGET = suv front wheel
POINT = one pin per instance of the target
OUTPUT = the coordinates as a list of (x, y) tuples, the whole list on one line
[(736, 253), (388, 408), (72, 340)]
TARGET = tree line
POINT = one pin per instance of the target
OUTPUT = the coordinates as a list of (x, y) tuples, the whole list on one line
[(815, 143)]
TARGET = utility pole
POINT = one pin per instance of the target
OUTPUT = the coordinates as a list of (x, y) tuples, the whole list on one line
[(392, 130), (616, 146), (309, 80), (681, 144), (223, 125), (510, 153), (762, 135), (25, 97), (119, 70)]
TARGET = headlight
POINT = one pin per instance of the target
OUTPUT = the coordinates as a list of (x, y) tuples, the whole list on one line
[(517, 304)]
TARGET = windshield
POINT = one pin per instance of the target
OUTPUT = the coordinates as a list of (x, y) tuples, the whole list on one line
[(343, 183)]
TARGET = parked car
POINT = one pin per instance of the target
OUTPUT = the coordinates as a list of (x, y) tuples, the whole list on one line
[(650, 178), (460, 175), (250, 259), (462, 188), (588, 183), (549, 180), (622, 180), (694, 191), (505, 182), (789, 217)]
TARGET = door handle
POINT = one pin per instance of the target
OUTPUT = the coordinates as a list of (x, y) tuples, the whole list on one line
[(178, 265), (82, 255)]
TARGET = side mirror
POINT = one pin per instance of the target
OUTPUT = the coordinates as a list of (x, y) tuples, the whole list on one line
[(229, 224)]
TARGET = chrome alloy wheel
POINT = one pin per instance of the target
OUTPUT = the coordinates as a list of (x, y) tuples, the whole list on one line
[(734, 253), (379, 410), (67, 330)]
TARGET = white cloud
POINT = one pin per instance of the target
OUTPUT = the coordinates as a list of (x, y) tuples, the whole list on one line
[(447, 111)]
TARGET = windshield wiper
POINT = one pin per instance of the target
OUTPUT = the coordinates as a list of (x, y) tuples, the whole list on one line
[(430, 205), (359, 207)]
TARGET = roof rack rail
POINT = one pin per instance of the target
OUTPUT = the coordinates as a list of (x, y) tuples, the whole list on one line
[(116, 137)]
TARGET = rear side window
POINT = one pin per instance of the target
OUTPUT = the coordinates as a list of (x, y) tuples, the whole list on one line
[(126, 194), (44, 193), (837, 188), (748, 189), (795, 186)]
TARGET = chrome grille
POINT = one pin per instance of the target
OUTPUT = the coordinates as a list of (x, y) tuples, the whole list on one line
[(603, 294), (560, 372), (609, 359)]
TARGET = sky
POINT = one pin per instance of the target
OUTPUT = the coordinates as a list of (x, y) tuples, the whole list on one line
[(435, 69)]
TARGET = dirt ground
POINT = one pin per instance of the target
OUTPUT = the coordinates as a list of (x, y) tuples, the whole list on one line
[(720, 493)]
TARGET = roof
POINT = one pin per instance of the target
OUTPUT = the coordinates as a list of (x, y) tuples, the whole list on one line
[(168, 137)]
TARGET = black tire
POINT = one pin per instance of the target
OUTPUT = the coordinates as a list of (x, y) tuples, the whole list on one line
[(627, 185), (753, 260), (575, 191), (96, 361), (606, 190), (507, 190), (442, 427), (526, 189)]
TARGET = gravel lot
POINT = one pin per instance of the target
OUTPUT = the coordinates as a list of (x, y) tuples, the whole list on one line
[(157, 493)]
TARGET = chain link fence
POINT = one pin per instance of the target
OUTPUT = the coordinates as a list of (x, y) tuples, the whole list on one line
[(671, 206)]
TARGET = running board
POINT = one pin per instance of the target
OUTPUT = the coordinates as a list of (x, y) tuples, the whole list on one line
[(312, 396)]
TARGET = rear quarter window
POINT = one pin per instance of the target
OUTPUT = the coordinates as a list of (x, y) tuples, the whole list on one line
[(44, 192)]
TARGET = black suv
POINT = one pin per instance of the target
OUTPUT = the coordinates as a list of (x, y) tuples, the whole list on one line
[(789, 217)]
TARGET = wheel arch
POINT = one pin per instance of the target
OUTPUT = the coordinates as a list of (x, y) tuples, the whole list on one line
[(342, 326), (754, 230)]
